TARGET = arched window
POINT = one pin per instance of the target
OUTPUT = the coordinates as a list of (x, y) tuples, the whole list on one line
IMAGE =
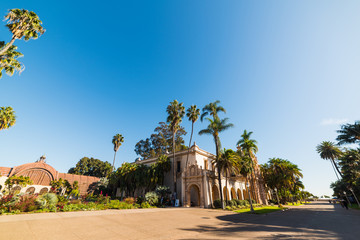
[(15, 190), (43, 190), (30, 190)]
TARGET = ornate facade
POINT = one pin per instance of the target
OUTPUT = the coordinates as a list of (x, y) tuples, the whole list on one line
[(197, 181)]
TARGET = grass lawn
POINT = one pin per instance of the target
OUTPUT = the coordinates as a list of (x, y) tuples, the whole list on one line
[(294, 204), (261, 210), (354, 206)]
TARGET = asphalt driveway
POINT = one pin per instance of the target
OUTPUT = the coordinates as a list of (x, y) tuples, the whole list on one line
[(318, 220)]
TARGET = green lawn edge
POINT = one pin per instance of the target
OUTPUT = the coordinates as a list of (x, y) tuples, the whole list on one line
[(261, 210)]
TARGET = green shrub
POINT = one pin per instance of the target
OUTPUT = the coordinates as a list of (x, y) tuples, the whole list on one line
[(217, 203), (234, 202), (145, 205), (116, 204), (228, 208), (152, 198), (163, 191), (47, 200), (244, 202), (238, 202), (140, 200), (230, 203)]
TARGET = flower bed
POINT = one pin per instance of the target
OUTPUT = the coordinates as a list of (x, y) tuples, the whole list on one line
[(50, 202)]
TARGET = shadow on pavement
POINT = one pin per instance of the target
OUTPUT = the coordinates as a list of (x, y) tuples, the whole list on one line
[(314, 221)]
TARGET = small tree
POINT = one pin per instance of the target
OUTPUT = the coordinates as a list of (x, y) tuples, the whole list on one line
[(17, 180)]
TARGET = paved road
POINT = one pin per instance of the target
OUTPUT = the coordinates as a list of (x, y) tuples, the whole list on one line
[(314, 221)]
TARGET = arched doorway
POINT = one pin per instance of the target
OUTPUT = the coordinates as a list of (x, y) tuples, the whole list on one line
[(30, 190), (194, 196), (246, 197), (233, 194), (43, 190), (239, 194), (226, 193), (215, 193)]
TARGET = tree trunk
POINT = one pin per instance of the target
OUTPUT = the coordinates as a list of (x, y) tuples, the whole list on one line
[(192, 129), (337, 168), (174, 165), (7, 46), (114, 162), (219, 173), (252, 179), (227, 190), (332, 164), (277, 197)]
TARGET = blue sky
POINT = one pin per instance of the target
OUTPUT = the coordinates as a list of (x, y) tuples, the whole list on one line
[(286, 70)]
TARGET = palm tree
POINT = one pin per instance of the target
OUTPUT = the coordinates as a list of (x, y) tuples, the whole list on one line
[(246, 168), (7, 117), (176, 112), (229, 163), (193, 114), (117, 140), (249, 148), (349, 133), (8, 61), (329, 151), (22, 24), (212, 109), (215, 127)]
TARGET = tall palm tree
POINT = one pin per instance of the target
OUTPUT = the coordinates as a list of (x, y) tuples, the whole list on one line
[(193, 114), (215, 127), (176, 112), (246, 168), (349, 133), (212, 109), (228, 163), (7, 117), (22, 24), (329, 151), (9, 62), (249, 148), (117, 140)]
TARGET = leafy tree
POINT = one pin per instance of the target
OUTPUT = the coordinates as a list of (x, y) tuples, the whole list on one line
[(91, 167), (350, 167), (22, 24), (215, 127), (329, 151), (22, 181), (176, 112), (117, 140), (132, 176), (160, 142), (282, 176), (7, 117), (193, 114), (349, 133)]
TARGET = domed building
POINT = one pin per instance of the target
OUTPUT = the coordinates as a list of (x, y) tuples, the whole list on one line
[(42, 174)]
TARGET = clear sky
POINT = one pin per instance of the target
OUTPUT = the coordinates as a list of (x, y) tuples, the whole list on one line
[(286, 70)]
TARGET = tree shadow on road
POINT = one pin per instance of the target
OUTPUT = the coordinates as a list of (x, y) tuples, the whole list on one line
[(298, 223)]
